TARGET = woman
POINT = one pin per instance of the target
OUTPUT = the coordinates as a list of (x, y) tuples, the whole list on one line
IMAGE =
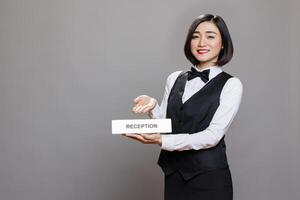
[(201, 103)]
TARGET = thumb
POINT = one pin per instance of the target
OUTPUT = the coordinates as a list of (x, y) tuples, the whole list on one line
[(137, 99), (148, 136)]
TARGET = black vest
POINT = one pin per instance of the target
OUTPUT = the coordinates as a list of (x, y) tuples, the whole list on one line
[(190, 117)]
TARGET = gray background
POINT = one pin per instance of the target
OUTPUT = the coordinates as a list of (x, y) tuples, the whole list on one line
[(68, 67)]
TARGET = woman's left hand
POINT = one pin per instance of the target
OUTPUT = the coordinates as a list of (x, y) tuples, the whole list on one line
[(146, 138)]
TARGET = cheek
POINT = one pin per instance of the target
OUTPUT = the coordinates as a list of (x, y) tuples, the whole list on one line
[(216, 45), (194, 43)]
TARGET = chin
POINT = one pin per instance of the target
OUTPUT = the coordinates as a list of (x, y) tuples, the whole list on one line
[(202, 60)]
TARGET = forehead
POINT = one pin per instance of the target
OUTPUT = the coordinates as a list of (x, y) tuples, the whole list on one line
[(207, 26)]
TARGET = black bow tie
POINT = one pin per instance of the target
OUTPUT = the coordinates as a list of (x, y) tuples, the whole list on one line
[(194, 73)]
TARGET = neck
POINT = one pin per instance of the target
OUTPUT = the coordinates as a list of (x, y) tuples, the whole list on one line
[(202, 67)]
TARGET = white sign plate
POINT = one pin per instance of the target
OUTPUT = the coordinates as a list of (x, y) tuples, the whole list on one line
[(141, 126)]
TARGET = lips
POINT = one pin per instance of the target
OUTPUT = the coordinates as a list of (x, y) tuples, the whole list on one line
[(202, 51)]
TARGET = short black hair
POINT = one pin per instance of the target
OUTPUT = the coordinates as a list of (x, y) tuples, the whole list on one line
[(226, 52)]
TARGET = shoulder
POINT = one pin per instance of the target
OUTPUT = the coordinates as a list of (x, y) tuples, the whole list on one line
[(174, 75), (172, 78), (233, 85), (234, 81)]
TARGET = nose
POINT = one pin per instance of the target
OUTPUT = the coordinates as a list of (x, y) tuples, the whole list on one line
[(201, 42)]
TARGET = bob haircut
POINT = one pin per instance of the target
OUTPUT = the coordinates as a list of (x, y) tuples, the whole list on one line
[(227, 50)]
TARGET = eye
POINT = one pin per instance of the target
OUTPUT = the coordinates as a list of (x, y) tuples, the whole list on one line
[(210, 37), (195, 36)]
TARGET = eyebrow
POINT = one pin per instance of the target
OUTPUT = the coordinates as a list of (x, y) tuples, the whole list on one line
[(206, 32)]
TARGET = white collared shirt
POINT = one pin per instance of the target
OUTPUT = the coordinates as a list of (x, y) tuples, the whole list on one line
[(230, 100)]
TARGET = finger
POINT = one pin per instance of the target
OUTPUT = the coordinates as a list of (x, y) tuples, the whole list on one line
[(133, 108), (132, 135), (140, 109), (136, 108), (136, 137), (137, 99), (146, 108), (148, 140), (143, 138), (148, 137), (151, 104), (133, 138), (153, 137)]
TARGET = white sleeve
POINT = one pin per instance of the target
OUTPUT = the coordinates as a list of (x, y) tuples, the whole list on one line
[(159, 112), (230, 100)]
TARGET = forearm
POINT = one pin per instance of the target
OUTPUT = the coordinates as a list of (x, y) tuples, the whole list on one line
[(200, 140)]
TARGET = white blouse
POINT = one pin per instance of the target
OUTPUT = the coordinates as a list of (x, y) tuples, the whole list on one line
[(230, 100)]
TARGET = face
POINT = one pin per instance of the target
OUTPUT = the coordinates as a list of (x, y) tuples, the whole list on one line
[(206, 44)]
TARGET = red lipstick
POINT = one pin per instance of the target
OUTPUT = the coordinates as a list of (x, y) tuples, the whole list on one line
[(202, 51)]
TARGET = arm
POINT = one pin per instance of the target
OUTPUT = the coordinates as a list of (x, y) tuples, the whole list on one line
[(146, 104), (229, 104)]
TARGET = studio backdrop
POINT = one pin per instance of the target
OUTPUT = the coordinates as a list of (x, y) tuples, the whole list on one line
[(68, 67)]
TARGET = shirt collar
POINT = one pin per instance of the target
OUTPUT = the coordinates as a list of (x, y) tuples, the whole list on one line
[(213, 70)]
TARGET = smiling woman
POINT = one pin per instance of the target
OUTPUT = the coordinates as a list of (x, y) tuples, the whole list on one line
[(206, 43), (201, 103), (214, 35)]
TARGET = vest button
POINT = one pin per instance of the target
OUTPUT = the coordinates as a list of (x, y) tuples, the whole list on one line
[(181, 107), (180, 121)]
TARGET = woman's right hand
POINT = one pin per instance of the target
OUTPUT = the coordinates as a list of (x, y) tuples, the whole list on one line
[(143, 104)]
